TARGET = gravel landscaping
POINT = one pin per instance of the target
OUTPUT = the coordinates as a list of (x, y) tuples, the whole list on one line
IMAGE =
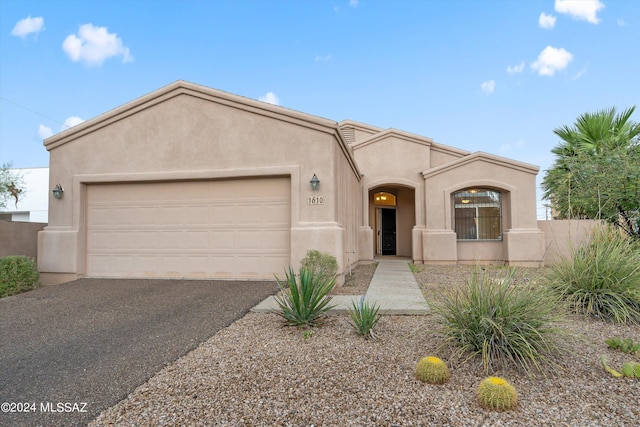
[(258, 372)]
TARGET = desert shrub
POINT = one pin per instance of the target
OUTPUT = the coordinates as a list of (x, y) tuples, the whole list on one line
[(601, 278), (503, 319), (364, 317), (17, 274), (304, 298), (432, 370), (496, 393), (320, 263)]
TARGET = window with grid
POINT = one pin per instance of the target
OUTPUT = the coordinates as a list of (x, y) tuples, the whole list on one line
[(478, 214)]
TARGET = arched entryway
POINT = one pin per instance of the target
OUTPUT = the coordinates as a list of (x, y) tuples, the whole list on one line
[(392, 217)]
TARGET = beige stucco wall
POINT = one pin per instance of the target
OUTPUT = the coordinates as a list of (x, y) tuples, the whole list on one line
[(563, 236), (391, 161), (19, 238), (185, 131), (523, 242)]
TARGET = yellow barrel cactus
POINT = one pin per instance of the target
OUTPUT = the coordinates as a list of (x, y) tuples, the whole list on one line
[(432, 370), (496, 393)]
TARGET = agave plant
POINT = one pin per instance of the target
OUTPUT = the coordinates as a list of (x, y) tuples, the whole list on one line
[(364, 317), (305, 298)]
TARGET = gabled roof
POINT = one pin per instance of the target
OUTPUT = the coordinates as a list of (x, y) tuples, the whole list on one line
[(409, 137), (389, 133), (182, 87), (484, 157)]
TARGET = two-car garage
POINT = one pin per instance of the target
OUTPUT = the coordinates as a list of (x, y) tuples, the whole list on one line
[(226, 228)]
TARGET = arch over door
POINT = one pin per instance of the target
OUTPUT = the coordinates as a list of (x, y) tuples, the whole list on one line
[(237, 228)]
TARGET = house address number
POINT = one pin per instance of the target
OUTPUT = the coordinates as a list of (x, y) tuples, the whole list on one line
[(315, 200)]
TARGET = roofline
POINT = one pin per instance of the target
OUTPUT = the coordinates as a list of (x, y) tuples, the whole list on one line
[(417, 139), (480, 155), (361, 126), (181, 87)]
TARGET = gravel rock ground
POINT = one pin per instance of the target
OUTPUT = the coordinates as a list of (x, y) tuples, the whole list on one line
[(257, 372)]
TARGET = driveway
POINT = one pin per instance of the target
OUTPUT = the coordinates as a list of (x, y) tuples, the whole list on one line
[(70, 351)]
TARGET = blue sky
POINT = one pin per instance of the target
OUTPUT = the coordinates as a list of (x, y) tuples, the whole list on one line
[(493, 76)]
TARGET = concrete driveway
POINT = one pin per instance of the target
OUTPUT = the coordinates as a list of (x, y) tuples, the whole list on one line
[(69, 351)]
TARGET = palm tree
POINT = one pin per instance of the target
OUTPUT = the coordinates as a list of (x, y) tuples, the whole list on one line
[(595, 132), (595, 173)]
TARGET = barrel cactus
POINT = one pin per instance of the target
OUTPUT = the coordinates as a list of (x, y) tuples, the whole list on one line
[(496, 393), (432, 370)]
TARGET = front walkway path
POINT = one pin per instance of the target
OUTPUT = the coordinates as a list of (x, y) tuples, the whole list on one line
[(393, 287)]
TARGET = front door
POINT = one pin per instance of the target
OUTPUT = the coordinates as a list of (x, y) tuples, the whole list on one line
[(388, 229)]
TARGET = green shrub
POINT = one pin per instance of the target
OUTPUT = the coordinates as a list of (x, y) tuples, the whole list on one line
[(502, 319), (17, 274), (320, 263), (601, 278), (306, 298), (432, 370), (364, 317)]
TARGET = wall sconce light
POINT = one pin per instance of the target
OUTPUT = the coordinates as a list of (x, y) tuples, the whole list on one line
[(465, 201), (315, 182), (57, 191)]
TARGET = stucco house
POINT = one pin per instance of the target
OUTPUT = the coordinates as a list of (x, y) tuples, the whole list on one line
[(193, 182)]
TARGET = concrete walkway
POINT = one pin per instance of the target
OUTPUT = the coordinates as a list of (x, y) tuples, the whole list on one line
[(393, 287)]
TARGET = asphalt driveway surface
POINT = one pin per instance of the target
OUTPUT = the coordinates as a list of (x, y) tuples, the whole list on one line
[(69, 351)]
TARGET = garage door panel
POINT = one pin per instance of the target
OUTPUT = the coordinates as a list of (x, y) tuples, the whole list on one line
[(200, 229), (221, 240), (121, 240), (168, 215), (146, 215)]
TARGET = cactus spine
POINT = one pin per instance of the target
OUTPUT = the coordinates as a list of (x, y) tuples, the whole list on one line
[(432, 370), (496, 393)]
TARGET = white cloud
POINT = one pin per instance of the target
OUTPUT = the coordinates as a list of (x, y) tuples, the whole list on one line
[(71, 122), (621, 22), (551, 60), (516, 68), (488, 86), (321, 58), (94, 45), (271, 98), (353, 3), (27, 26), (546, 21), (44, 132), (584, 10)]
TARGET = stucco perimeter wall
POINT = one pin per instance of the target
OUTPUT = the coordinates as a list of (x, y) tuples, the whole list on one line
[(562, 236), (19, 238), (185, 132)]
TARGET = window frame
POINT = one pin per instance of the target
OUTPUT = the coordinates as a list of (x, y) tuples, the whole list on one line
[(478, 224)]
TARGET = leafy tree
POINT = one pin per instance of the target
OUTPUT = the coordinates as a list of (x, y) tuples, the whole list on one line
[(596, 173), (11, 186)]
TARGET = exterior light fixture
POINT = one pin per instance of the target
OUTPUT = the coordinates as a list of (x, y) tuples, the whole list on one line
[(315, 182), (57, 191)]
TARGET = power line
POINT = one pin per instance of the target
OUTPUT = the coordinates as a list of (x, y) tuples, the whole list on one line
[(32, 111)]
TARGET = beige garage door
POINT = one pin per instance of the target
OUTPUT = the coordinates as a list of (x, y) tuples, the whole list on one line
[(195, 229)]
